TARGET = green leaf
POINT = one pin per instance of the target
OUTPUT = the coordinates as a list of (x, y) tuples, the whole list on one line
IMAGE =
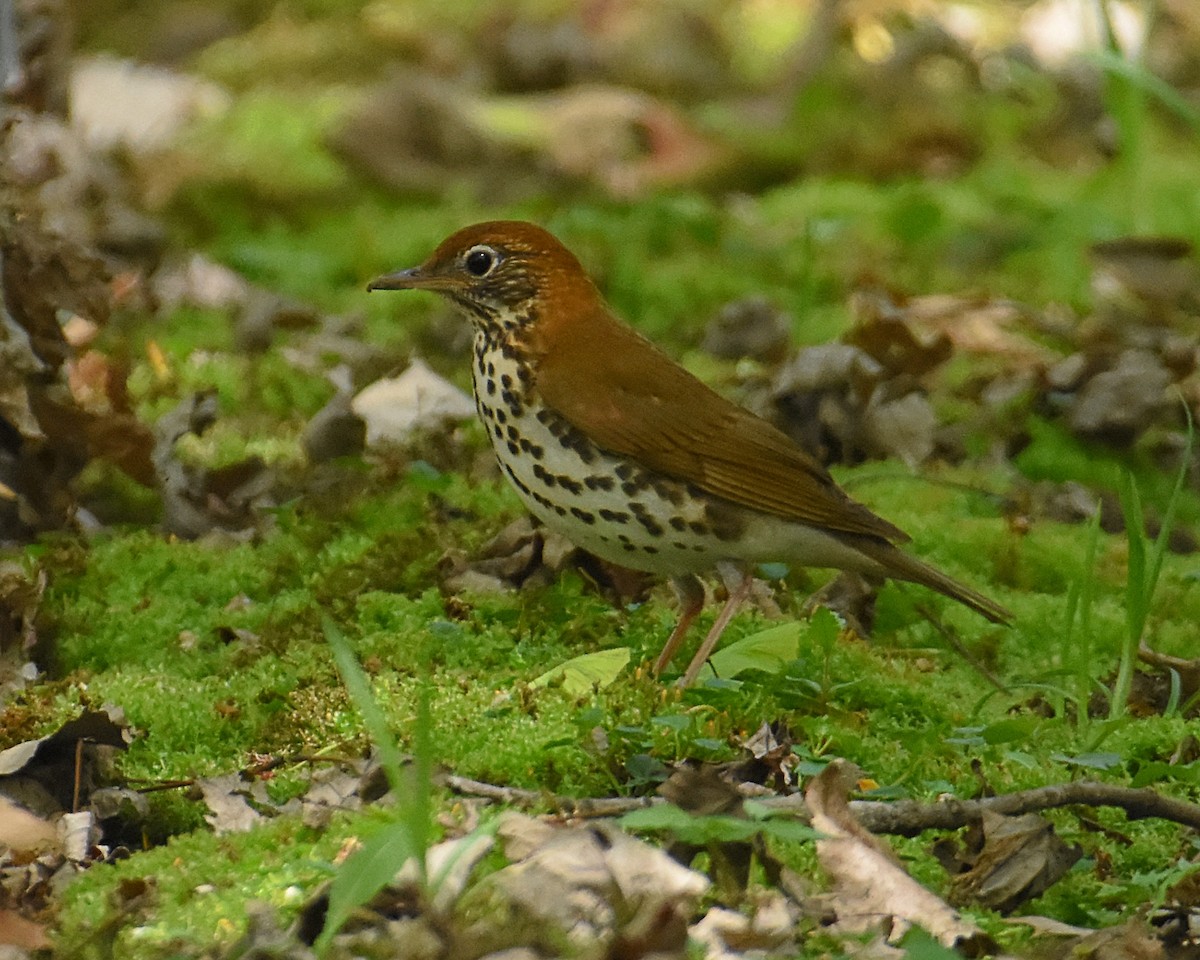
[(365, 873), (587, 672), (1094, 761), (409, 838), (1010, 730), (699, 830), (768, 650), (918, 944), (718, 828), (790, 830), (359, 689)]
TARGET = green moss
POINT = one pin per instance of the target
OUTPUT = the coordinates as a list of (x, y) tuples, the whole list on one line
[(215, 649)]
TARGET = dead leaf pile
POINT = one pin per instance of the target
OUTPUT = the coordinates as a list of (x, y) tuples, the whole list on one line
[(609, 887), (60, 404), (1019, 859), (58, 814), (871, 890), (196, 499), (239, 801)]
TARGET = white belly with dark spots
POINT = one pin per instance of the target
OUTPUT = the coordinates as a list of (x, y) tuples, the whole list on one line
[(607, 505)]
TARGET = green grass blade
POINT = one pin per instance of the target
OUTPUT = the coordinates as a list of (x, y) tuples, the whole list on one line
[(1136, 601), (365, 873), (1168, 520), (409, 838), (359, 689)]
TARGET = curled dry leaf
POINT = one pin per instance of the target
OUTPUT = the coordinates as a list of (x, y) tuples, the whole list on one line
[(771, 754), (884, 333), (844, 404), (41, 773), (872, 891), (750, 327), (977, 326), (609, 886), (1022, 857), (525, 554), (197, 500)]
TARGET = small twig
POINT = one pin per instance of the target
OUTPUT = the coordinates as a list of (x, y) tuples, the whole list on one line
[(166, 785), (909, 817), (78, 775), (491, 791), (583, 807), (903, 817), (274, 763), (1164, 661)]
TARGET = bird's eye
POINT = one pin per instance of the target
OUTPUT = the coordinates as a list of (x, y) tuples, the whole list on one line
[(480, 261)]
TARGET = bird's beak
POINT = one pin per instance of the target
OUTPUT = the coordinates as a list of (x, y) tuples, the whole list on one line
[(415, 278)]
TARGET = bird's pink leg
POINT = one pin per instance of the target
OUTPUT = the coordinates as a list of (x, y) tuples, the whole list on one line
[(690, 593), (738, 583)]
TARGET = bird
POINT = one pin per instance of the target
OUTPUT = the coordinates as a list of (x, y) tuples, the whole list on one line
[(613, 444)]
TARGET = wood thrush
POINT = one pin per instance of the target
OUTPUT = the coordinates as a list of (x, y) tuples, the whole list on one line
[(620, 449)]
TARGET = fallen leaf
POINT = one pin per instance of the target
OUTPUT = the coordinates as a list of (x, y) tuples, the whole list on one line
[(605, 882), (750, 327), (47, 766), (1049, 927), (1133, 940), (884, 333), (1022, 857), (767, 650), (225, 796), (871, 889), (586, 673), (77, 835), (771, 753)]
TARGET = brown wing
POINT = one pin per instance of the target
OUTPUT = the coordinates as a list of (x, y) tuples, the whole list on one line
[(632, 399)]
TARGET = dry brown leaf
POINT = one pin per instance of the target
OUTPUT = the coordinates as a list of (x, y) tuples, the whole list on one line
[(41, 773), (978, 326), (750, 327), (1133, 940), (871, 889), (1022, 857), (606, 883), (883, 332), (225, 797)]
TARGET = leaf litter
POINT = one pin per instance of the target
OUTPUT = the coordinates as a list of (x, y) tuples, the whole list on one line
[(865, 398)]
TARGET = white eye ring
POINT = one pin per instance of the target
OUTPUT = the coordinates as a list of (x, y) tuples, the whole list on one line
[(480, 260)]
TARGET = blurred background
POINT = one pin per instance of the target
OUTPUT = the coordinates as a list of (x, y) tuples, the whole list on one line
[(990, 207)]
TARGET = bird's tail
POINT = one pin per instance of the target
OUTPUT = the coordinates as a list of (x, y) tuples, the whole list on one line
[(904, 566)]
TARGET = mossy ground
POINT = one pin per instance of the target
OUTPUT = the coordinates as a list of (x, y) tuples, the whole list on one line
[(147, 623)]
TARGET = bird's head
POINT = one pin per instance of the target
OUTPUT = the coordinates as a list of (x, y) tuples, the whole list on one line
[(503, 272)]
